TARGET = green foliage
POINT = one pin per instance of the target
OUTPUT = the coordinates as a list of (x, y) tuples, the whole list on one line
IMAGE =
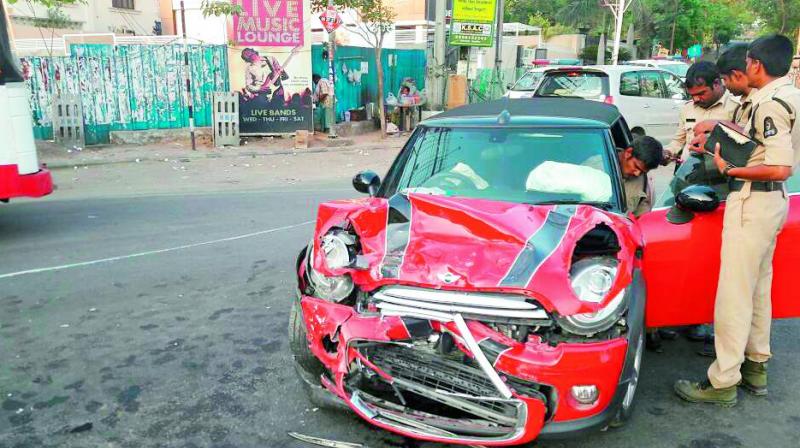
[(220, 8), (778, 16), (549, 29), (708, 22), (589, 54)]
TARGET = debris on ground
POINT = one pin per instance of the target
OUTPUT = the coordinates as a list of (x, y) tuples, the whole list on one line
[(82, 428), (323, 442)]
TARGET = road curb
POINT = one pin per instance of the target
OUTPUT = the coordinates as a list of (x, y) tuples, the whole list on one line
[(71, 164)]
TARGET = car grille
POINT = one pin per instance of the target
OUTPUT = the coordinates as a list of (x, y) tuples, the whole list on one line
[(438, 305)]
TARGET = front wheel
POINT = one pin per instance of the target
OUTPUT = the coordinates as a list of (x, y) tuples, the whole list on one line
[(308, 367), (626, 408)]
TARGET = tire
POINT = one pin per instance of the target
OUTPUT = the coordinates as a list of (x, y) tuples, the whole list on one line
[(626, 407), (308, 367)]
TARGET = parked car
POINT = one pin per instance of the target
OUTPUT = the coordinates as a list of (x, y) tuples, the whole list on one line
[(649, 99), (677, 68), (527, 83), (492, 289)]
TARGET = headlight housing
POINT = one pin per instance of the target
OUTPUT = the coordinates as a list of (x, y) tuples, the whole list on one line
[(592, 279), (339, 249)]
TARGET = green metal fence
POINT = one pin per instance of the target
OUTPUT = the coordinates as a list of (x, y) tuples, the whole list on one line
[(357, 76), (127, 87)]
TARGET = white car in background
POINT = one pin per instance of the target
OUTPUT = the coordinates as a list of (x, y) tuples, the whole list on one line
[(650, 99), (527, 83), (677, 68)]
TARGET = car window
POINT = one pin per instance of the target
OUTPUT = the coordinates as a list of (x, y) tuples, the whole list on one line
[(698, 169), (675, 87), (678, 68), (629, 84), (528, 81), (526, 165), (650, 83), (583, 84)]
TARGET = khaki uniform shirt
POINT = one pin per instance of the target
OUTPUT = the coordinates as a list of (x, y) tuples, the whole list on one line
[(772, 126), (638, 194), (741, 115), (692, 114)]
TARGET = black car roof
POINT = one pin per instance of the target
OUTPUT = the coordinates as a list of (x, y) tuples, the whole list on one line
[(538, 107)]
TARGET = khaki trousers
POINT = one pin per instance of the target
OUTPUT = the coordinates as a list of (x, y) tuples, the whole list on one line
[(743, 308)]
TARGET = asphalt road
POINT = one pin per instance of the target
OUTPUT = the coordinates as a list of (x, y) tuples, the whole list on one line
[(176, 335)]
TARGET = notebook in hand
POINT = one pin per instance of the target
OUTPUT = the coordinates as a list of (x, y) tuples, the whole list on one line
[(734, 147)]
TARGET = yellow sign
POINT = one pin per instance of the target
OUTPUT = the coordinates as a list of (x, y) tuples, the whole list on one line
[(474, 10)]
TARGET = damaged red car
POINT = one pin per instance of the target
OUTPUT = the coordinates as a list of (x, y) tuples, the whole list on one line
[(491, 289)]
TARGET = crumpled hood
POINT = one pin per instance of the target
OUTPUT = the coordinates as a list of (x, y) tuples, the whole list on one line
[(473, 244)]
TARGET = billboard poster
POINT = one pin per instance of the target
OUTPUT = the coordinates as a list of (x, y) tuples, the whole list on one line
[(270, 66), (472, 24)]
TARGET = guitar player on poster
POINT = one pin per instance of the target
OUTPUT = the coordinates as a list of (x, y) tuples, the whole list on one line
[(259, 75)]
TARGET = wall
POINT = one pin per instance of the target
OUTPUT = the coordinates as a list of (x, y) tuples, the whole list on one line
[(95, 16), (134, 87), (351, 94)]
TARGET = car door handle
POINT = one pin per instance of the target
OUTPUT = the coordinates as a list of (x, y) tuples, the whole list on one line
[(646, 106)]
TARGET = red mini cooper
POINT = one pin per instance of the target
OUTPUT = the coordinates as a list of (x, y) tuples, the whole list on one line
[(493, 289)]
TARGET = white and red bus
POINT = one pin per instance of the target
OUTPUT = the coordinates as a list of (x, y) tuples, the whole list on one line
[(20, 173)]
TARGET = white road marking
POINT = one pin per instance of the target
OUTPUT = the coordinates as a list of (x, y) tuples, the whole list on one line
[(152, 252)]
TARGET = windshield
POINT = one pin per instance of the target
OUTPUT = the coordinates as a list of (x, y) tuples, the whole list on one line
[(677, 69), (525, 165), (588, 85), (8, 67), (528, 81)]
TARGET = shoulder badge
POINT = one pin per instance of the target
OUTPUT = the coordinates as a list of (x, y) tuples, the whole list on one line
[(769, 127)]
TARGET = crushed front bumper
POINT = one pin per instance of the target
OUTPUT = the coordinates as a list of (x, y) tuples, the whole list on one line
[(383, 368)]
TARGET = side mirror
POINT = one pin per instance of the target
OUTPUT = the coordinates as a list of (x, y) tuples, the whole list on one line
[(698, 198), (693, 199), (367, 182)]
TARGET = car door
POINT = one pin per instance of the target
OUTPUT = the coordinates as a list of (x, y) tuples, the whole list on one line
[(660, 111), (676, 97), (635, 107), (681, 263)]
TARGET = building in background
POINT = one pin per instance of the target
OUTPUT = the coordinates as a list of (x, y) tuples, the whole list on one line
[(120, 17)]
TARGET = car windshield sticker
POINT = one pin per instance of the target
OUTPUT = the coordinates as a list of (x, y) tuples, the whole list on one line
[(539, 246), (769, 127), (398, 228)]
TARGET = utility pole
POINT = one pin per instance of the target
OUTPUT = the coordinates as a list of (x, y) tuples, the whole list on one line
[(498, 45), (332, 75), (187, 75), (439, 49), (618, 8)]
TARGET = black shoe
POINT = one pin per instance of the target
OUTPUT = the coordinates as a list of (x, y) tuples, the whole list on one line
[(653, 342), (708, 349), (698, 333), (668, 335)]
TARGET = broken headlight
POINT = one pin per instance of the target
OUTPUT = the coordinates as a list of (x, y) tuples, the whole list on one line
[(339, 249), (592, 279)]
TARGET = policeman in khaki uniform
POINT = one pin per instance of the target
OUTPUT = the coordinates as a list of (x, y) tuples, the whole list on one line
[(755, 212), (732, 65), (710, 101)]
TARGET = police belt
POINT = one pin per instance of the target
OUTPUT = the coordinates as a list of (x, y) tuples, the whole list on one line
[(767, 186)]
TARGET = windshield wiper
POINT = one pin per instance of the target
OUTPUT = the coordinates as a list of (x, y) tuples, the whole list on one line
[(598, 204)]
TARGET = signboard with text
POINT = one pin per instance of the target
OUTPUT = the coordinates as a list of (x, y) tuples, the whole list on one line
[(473, 24), (269, 23), (270, 67)]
